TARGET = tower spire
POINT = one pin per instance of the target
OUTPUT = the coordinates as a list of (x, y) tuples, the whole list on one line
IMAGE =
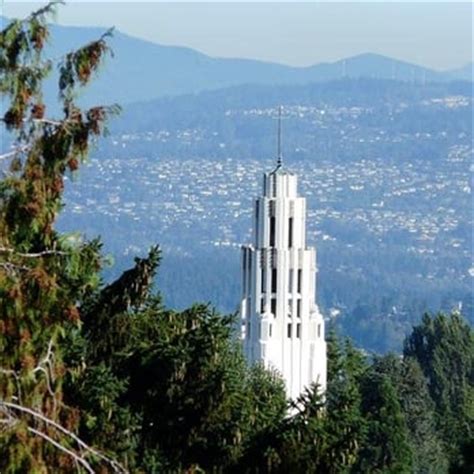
[(279, 155)]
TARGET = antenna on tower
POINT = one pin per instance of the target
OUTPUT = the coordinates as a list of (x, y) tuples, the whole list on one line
[(279, 156)]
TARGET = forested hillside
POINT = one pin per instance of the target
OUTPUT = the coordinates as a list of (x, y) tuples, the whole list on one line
[(105, 378)]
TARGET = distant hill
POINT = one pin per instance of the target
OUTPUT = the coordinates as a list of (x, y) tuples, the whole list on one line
[(464, 73), (141, 70)]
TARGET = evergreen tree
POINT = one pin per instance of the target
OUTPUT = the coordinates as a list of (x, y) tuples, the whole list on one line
[(386, 448), (117, 320), (266, 401), (418, 409), (444, 348), (324, 432), (44, 276), (345, 426), (167, 390)]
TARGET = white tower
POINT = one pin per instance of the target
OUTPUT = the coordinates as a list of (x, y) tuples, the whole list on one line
[(281, 323)]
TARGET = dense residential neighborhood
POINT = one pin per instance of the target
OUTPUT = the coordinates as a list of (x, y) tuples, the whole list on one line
[(382, 218)]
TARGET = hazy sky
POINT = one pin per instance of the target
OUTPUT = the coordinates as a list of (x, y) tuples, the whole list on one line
[(433, 34)]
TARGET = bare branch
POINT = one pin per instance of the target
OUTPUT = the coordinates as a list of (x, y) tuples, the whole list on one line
[(47, 358), (44, 253), (77, 458), (8, 422), (48, 371), (56, 123), (20, 149), (12, 268), (48, 381), (116, 466)]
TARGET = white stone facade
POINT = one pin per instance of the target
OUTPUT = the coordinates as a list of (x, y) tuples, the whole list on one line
[(281, 323)]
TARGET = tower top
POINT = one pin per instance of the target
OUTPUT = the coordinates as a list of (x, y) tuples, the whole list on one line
[(279, 155), (279, 164)]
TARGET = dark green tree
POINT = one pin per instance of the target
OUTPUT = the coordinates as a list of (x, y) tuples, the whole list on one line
[(266, 401), (117, 321), (386, 448), (345, 425), (167, 390), (418, 408), (324, 432), (443, 346)]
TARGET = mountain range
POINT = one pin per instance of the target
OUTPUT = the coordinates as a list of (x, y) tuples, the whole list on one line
[(140, 70)]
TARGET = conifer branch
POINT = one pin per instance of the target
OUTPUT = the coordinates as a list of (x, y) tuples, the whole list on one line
[(49, 8), (17, 380)]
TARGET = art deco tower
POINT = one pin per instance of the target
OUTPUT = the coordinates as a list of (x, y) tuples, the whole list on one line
[(281, 323)]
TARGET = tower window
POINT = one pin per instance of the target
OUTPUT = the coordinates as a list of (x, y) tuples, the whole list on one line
[(244, 270), (270, 330), (290, 232), (274, 307), (298, 308), (272, 231), (288, 330), (299, 281), (290, 281), (262, 305), (256, 217), (264, 281), (319, 330), (249, 269), (298, 330), (274, 280)]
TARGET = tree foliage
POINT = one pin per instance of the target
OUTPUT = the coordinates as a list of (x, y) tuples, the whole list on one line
[(44, 276), (443, 346)]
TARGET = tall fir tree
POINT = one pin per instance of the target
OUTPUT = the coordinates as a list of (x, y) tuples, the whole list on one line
[(444, 348), (412, 391), (43, 275), (345, 425), (386, 448)]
